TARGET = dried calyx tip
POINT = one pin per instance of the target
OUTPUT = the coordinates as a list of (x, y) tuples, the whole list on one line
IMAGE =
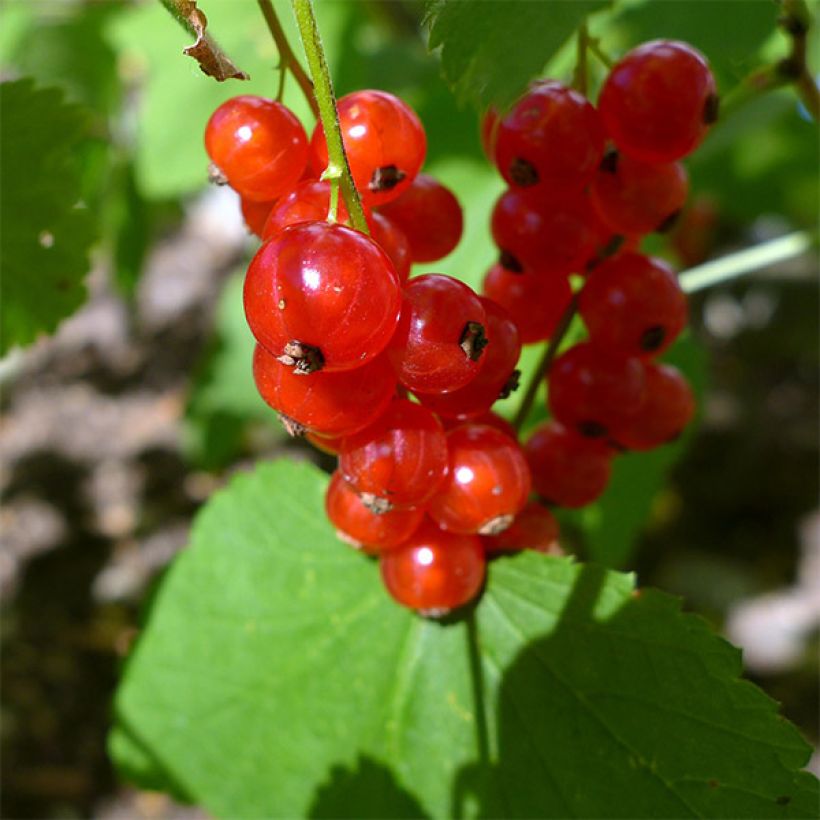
[(386, 178), (497, 525), (216, 175), (293, 428), (375, 503), (511, 385), (523, 173), (303, 358), (473, 340)]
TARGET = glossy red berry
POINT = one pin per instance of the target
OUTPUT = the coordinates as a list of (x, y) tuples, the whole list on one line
[(398, 461), (258, 144), (487, 485), (330, 404), (634, 197), (694, 235), (497, 377), (327, 444), (430, 217), (384, 141), (533, 301), (359, 526), (591, 390), (309, 201), (534, 528), (633, 304), (551, 139), (668, 407), (567, 469), (658, 102), (490, 419), (434, 571), (322, 296), (391, 239), (545, 232), (255, 215), (440, 340)]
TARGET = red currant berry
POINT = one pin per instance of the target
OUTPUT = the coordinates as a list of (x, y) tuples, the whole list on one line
[(567, 470), (534, 528), (634, 197), (330, 404), (255, 215), (533, 301), (434, 571), (658, 101), (391, 239), (694, 236), (593, 390), (384, 140), (487, 485), (544, 233), (668, 407), (328, 445), (497, 377), (430, 217), (398, 461), (489, 419), (552, 138), (440, 339), (258, 144), (309, 201), (322, 296), (361, 527), (632, 304)]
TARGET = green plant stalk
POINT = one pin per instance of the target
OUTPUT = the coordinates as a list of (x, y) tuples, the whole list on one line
[(580, 75), (338, 168)]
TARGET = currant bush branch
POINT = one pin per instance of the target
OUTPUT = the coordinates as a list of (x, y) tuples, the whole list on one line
[(580, 75), (338, 169)]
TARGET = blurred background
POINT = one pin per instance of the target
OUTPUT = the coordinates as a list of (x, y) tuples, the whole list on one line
[(114, 430)]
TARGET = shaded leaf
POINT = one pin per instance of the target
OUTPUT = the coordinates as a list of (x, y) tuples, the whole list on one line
[(275, 677)]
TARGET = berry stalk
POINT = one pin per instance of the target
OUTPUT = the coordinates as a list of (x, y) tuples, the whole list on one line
[(338, 169)]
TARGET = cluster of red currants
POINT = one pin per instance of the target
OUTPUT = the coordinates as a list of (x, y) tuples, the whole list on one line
[(344, 338)]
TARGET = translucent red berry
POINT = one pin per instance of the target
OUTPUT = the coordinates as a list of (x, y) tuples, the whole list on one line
[(391, 239), (634, 197), (258, 144), (534, 528), (255, 215), (497, 377), (439, 342), (400, 460), (330, 404), (309, 201), (633, 304), (591, 390), (434, 571), (567, 469), (535, 302), (658, 102), (668, 407), (487, 485), (490, 419), (361, 527), (545, 232), (327, 444), (384, 140), (322, 296), (430, 217), (551, 139)]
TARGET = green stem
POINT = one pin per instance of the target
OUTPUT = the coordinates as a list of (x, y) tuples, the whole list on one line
[(337, 167), (594, 45), (580, 76), (288, 61)]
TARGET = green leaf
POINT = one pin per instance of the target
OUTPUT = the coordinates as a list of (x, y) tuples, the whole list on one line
[(276, 678), (490, 49), (46, 234)]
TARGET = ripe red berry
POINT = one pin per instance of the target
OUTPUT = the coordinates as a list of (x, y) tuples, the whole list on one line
[(658, 101), (329, 445), (534, 528), (545, 232), (384, 141), (255, 215), (330, 404), (489, 419), (535, 302), (632, 304), (634, 197), (552, 139), (434, 571), (592, 390), (322, 296), (440, 338), (430, 217), (359, 526), (694, 236), (258, 144), (668, 407), (567, 469), (309, 201), (398, 461), (391, 239), (497, 377), (487, 485)]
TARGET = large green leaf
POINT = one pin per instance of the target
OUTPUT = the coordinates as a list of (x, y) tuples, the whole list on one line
[(276, 679), (46, 233), (490, 49)]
